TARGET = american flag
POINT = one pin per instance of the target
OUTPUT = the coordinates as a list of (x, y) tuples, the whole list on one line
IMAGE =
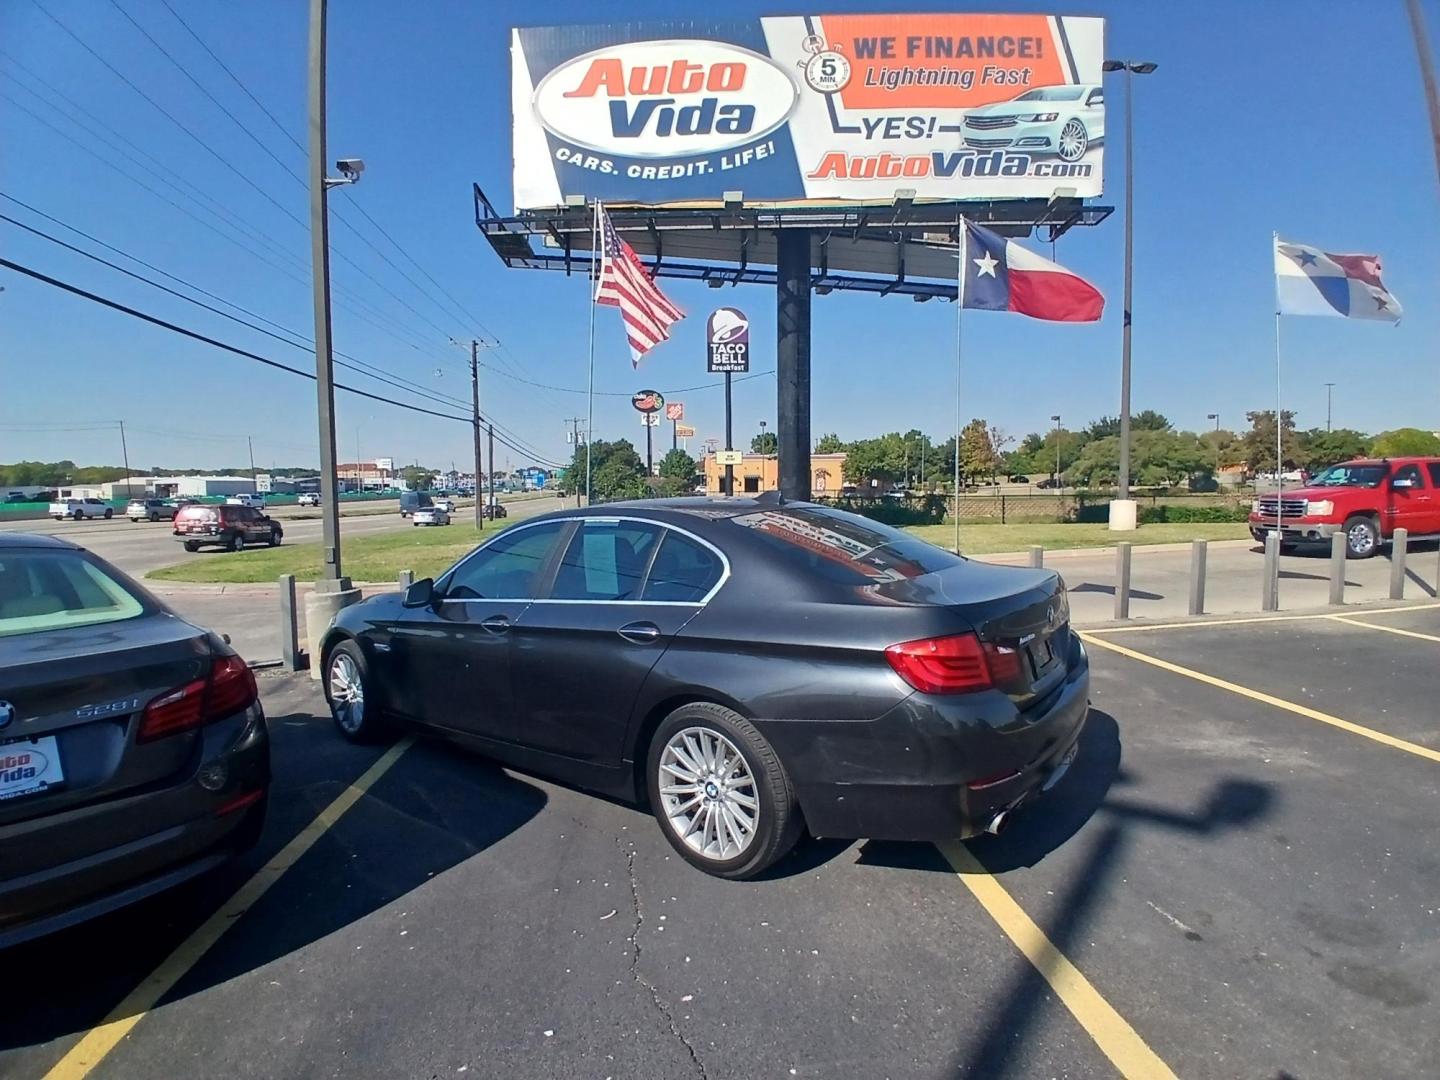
[(624, 283)]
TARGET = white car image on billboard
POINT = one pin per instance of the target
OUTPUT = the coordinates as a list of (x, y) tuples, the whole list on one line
[(1060, 120)]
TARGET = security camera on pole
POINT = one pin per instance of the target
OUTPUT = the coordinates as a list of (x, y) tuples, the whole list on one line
[(727, 337)]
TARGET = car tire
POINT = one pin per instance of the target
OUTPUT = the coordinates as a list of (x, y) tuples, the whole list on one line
[(1362, 538), (1079, 141), (351, 694), (154, 518), (274, 537), (191, 546), (109, 513), (79, 515), (237, 542), (748, 769)]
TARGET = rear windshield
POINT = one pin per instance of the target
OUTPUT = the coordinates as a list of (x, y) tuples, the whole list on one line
[(48, 590), (845, 548), (199, 513)]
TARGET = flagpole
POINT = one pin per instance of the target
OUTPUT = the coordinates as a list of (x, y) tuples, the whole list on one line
[(959, 403), (590, 392)]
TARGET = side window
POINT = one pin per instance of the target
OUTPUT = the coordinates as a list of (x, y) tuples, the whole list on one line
[(606, 561), (1095, 97), (1434, 469), (508, 568), (683, 570), (1410, 473)]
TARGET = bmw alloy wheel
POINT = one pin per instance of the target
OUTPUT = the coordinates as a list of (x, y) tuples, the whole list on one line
[(1073, 141), (708, 793), (347, 693)]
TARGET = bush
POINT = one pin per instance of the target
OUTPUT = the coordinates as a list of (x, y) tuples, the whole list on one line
[(929, 511), (1191, 515)]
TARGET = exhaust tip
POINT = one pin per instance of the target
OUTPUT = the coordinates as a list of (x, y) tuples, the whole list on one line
[(996, 825)]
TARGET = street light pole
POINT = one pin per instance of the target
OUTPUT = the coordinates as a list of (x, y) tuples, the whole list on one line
[(1329, 397), (320, 260), (1137, 68), (1216, 417)]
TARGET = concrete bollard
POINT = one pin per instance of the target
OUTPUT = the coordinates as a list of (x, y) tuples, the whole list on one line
[(1399, 545), (1037, 556), (1122, 580), (1337, 569), (321, 607), (407, 578), (289, 624), (1197, 576), (1270, 590)]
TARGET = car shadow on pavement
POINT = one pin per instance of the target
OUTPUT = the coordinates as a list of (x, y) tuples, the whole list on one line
[(432, 811), (1232, 803)]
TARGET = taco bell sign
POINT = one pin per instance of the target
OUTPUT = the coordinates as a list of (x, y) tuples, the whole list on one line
[(727, 337)]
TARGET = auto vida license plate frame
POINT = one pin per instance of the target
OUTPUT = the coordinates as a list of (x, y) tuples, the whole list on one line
[(30, 765)]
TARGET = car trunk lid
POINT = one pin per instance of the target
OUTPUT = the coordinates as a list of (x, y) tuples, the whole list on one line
[(1021, 614), (79, 693)]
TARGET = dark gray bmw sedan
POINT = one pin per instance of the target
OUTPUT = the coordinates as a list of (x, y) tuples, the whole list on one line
[(133, 750), (749, 667)]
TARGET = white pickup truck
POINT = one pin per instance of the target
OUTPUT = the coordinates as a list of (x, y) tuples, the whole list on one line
[(80, 509)]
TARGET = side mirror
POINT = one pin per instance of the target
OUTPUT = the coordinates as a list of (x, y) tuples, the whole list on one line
[(420, 593)]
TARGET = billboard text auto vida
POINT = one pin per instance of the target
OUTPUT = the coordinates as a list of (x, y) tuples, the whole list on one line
[(819, 108)]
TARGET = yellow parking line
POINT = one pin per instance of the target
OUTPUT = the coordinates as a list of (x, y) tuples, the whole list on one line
[(1201, 623), (1117, 1040), (100, 1040), (1387, 629), (1268, 699)]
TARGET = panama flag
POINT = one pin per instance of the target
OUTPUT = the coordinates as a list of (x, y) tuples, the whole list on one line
[(1000, 275), (1309, 281)]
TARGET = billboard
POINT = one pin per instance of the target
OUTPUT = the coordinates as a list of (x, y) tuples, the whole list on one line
[(808, 108)]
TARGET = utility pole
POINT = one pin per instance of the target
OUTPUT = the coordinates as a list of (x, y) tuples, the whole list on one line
[(1329, 396), (125, 455), (475, 426), (574, 422), (250, 445), (320, 259), (492, 471)]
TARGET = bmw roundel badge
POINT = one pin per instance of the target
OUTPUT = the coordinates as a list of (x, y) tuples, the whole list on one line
[(7, 714)]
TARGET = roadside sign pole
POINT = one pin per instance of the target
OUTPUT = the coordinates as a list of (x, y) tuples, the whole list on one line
[(729, 439), (649, 448), (674, 434)]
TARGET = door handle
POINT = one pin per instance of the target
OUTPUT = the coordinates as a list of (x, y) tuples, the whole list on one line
[(496, 624), (639, 633)]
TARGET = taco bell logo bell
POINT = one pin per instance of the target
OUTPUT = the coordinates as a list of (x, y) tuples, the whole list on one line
[(727, 336)]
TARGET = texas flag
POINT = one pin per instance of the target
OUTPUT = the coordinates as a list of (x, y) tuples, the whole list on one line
[(1000, 275), (1309, 281)]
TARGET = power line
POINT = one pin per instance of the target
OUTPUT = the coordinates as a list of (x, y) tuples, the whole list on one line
[(304, 344), (621, 393), (268, 362), (348, 305), (229, 165)]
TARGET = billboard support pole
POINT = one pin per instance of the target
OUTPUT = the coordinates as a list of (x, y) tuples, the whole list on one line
[(674, 434), (649, 447), (729, 439), (792, 360), (590, 392)]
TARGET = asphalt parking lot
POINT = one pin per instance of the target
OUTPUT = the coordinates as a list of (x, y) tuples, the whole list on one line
[(1240, 877)]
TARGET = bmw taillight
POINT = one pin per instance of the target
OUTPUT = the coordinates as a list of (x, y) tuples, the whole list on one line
[(229, 688), (956, 664)]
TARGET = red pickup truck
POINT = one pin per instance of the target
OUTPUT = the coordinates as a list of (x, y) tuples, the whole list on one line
[(1366, 500)]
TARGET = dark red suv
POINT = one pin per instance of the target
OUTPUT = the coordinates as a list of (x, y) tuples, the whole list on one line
[(230, 527)]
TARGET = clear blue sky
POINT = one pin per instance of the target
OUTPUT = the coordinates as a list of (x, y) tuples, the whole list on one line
[(1303, 118)]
